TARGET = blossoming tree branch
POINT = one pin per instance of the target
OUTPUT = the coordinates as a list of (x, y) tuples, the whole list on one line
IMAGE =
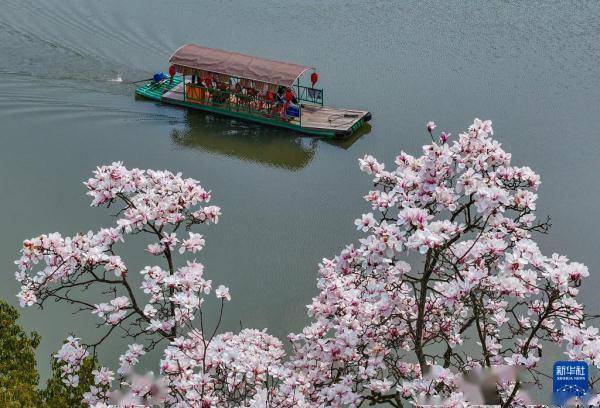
[(479, 292)]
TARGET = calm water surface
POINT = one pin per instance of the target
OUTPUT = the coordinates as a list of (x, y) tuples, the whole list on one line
[(532, 67)]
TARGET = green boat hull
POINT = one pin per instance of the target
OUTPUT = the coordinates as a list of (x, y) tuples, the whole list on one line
[(155, 92)]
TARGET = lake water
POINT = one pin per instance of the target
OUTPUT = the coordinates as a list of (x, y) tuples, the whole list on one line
[(532, 67)]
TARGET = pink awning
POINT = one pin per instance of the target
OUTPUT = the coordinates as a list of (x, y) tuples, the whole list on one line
[(195, 57)]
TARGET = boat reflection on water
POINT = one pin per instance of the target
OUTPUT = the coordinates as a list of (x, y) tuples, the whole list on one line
[(251, 142), (349, 141)]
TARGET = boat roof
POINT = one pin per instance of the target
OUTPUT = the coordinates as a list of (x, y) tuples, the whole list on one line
[(196, 57)]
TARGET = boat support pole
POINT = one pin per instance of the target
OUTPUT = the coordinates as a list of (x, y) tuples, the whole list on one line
[(299, 104)]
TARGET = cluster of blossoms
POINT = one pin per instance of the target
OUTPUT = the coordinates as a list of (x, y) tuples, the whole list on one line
[(114, 311), (468, 214), (71, 356), (167, 304), (64, 259), (220, 371), (479, 293)]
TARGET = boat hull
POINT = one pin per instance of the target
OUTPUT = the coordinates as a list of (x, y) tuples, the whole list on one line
[(315, 125)]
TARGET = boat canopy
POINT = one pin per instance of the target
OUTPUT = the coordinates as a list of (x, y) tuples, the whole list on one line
[(192, 59)]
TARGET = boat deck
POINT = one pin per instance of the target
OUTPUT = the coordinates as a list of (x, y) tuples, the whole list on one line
[(317, 120), (336, 119), (155, 91), (175, 93)]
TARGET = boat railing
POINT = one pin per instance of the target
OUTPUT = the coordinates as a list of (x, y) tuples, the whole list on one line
[(307, 94), (257, 106)]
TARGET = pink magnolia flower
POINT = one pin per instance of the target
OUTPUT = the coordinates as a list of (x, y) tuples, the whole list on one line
[(103, 376), (370, 165), (430, 126), (222, 292), (365, 223), (193, 244), (130, 358), (169, 240), (156, 248), (26, 296), (71, 380)]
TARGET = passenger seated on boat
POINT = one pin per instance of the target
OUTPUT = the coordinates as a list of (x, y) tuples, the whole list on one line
[(251, 96), (221, 95), (203, 95), (206, 83), (262, 97), (280, 96), (269, 103), (236, 96), (290, 109), (279, 101)]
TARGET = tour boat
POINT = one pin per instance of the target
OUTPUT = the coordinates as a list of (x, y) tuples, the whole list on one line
[(251, 88)]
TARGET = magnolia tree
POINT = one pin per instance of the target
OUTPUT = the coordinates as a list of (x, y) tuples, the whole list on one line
[(200, 367), (483, 295), (479, 294)]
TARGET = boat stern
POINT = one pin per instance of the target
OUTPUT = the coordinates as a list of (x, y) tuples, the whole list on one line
[(155, 90), (340, 123)]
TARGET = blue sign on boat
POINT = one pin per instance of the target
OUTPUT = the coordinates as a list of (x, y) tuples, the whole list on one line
[(570, 380), (293, 111)]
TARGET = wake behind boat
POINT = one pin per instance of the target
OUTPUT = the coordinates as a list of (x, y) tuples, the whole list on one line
[(251, 88)]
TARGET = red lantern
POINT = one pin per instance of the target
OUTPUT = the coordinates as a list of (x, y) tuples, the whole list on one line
[(172, 70), (288, 96), (314, 77), (270, 96)]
